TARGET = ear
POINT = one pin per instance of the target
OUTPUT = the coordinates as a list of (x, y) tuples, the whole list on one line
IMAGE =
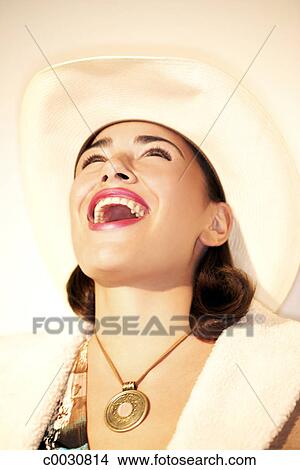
[(219, 225)]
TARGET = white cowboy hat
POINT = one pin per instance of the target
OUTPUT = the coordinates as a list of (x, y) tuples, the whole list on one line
[(65, 103)]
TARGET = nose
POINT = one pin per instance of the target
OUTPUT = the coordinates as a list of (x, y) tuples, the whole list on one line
[(115, 169)]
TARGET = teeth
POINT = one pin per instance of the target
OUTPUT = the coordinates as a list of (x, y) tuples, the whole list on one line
[(131, 204), (135, 207), (116, 200)]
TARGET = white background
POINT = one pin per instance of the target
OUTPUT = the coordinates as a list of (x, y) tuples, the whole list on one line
[(226, 33)]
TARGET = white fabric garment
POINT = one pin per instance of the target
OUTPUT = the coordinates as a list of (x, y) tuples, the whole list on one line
[(245, 393)]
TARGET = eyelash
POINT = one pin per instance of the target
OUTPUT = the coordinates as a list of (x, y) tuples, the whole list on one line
[(162, 152)]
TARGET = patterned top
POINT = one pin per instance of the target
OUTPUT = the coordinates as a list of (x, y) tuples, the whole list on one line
[(67, 428)]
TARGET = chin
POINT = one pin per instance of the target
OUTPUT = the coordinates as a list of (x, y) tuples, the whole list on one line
[(104, 265)]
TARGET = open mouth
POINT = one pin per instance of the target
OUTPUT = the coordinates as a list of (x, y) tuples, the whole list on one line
[(115, 211)]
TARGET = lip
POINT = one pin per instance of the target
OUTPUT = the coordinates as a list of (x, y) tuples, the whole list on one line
[(114, 192)]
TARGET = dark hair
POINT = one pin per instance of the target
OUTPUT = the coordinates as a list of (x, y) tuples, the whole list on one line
[(222, 293)]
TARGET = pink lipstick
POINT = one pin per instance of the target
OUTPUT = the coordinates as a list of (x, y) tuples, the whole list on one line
[(115, 192)]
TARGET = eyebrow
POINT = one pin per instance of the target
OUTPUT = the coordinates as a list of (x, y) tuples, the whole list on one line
[(139, 139)]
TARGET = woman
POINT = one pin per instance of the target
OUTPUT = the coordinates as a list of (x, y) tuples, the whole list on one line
[(125, 263), (170, 257)]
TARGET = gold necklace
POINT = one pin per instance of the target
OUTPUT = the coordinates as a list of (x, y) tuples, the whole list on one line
[(127, 409)]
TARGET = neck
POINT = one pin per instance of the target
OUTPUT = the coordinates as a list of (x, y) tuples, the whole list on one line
[(137, 326)]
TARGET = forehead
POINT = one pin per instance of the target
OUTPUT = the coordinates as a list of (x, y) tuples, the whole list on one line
[(124, 132)]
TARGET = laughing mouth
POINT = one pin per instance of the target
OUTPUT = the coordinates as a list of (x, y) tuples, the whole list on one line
[(113, 209), (116, 205)]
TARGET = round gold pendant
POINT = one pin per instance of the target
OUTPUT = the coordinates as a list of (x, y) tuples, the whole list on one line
[(127, 409)]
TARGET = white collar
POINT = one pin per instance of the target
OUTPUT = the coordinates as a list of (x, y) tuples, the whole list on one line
[(246, 391)]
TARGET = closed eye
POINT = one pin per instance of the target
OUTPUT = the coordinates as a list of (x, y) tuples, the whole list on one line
[(159, 151), (153, 151), (91, 159)]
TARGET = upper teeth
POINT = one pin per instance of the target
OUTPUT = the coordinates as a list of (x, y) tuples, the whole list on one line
[(135, 207)]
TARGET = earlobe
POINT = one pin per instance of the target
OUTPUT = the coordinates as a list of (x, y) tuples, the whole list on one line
[(207, 237), (219, 227)]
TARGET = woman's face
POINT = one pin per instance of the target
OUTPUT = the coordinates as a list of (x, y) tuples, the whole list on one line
[(161, 249)]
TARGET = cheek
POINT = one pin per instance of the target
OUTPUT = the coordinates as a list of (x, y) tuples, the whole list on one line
[(78, 195), (193, 194), (183, 202), (160, 175)]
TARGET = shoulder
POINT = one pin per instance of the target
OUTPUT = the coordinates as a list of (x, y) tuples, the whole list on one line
[(285, 335), (30, 351), (270, 344), (33, 369), (25, 348), (263, 326), (266, 350)]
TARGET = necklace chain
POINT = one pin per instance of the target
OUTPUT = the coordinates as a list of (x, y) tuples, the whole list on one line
[(137, 382)]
